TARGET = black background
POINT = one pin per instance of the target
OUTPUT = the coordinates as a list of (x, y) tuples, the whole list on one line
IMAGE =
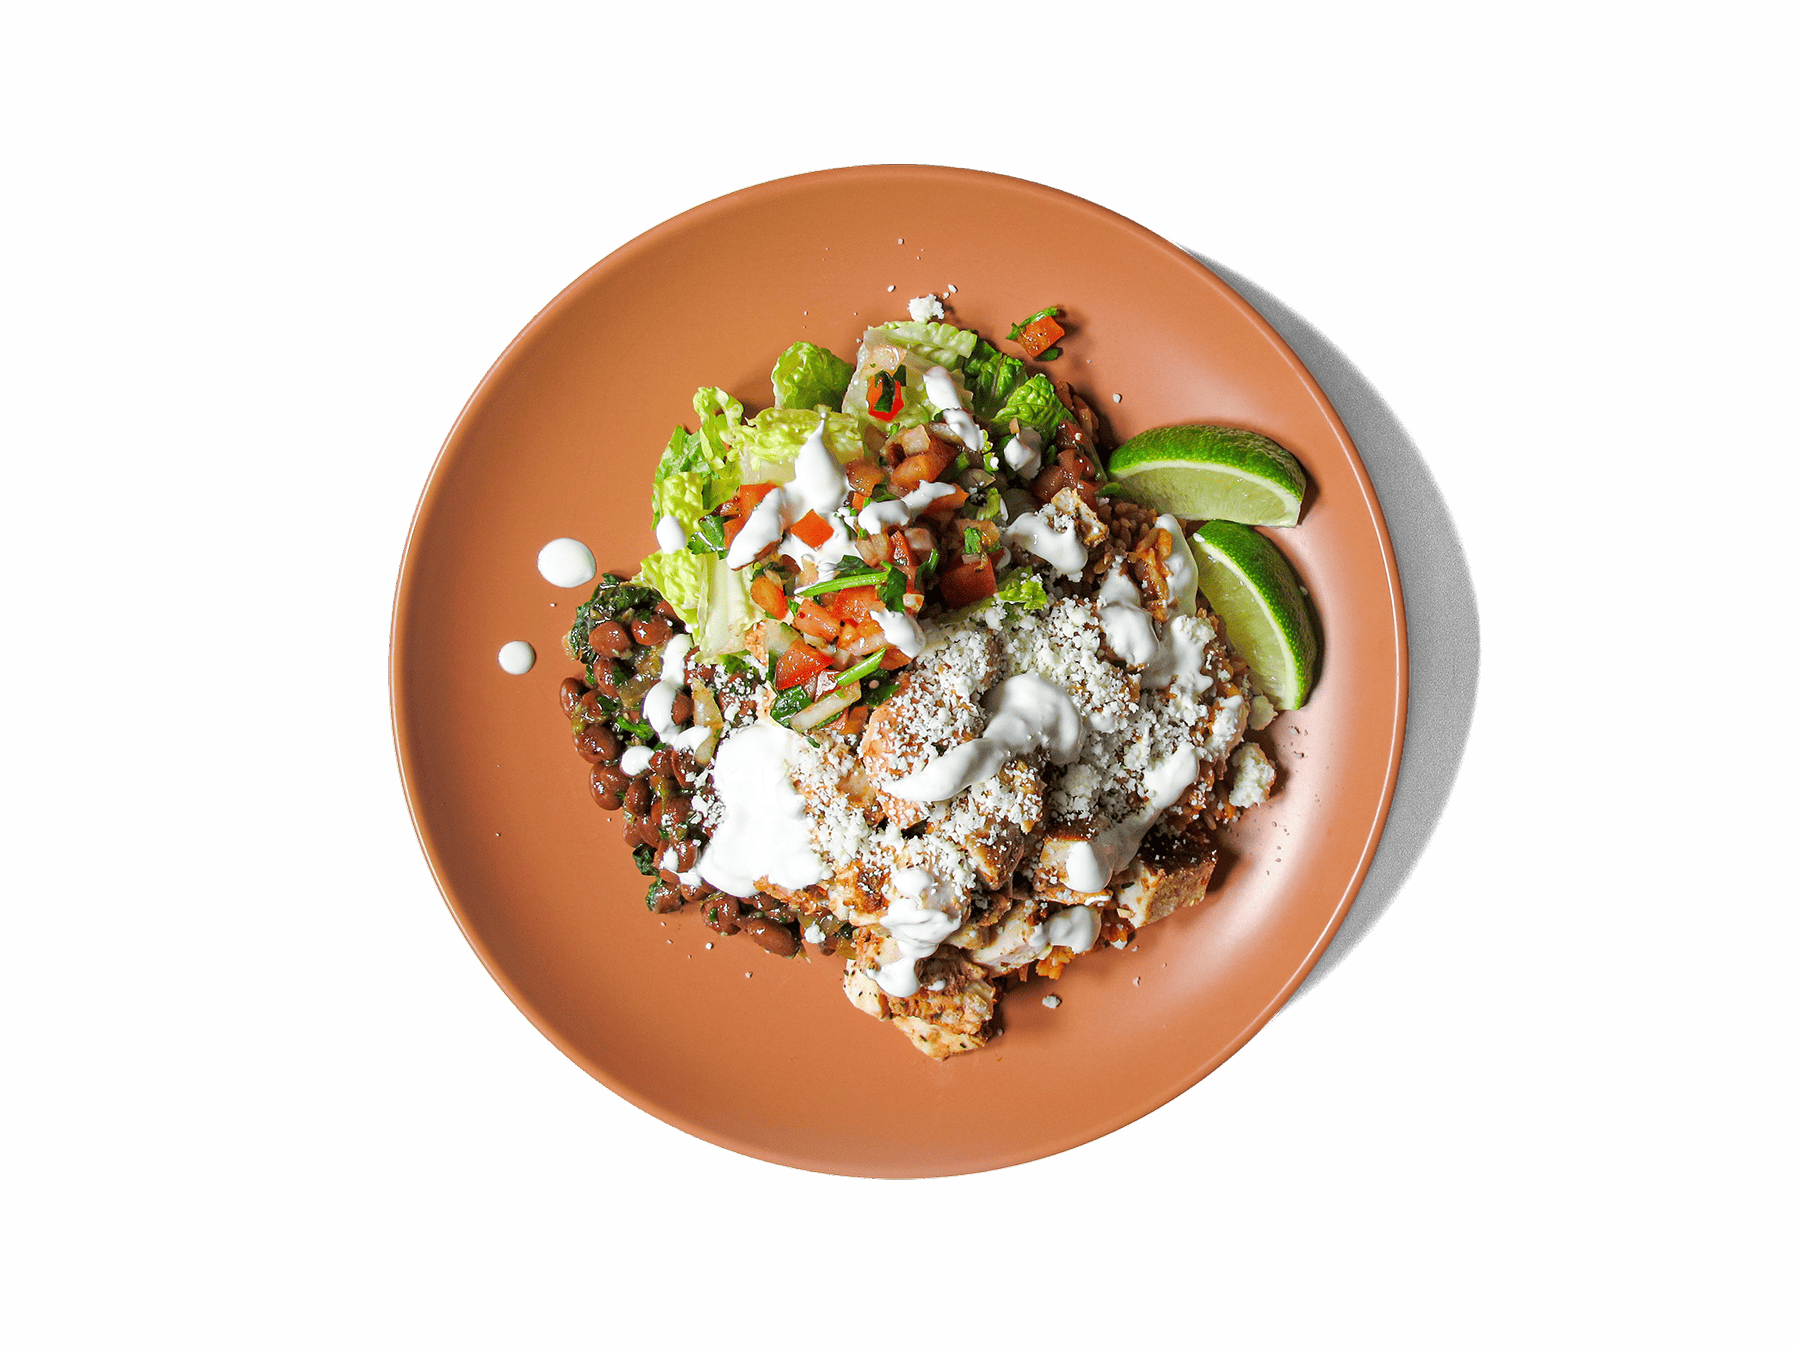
[(1384, 1056)]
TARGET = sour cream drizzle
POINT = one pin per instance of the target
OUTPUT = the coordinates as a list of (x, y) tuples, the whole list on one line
[(657, 706), (1075, 928), (1181, 569), (901, 631), (1089, 864), (925, 914), (1022, 451), (1037, 536), (884, 513), (670, 534), (1027, 712), (519, 656), (939, 386), (1180, 655), (765, 832), (817, 484), (1127, 626), (567, 563)]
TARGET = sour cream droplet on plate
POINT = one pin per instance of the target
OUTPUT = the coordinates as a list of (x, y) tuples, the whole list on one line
[(517, 656), (567, 563)]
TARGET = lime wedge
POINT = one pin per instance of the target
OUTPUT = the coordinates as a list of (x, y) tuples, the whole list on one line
[(1254, 591), (1211, 472)]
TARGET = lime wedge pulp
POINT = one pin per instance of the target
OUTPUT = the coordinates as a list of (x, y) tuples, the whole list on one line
[(1211, 472), (1256, 594)]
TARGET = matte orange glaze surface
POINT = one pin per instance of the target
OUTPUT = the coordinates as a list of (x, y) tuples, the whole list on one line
[(561, 439)]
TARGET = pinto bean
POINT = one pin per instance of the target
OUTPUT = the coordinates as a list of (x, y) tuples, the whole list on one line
[(638, 798), (682, 709), (572, 690), (608, 640), (721, 914), (671, 812), (608, 784), (597, 744), (608, 677), (651, 631), (679, 856), (771, 936), (666, 898)]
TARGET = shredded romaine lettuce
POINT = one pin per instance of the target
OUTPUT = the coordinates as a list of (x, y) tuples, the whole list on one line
[(681, 577), (1023, 589)]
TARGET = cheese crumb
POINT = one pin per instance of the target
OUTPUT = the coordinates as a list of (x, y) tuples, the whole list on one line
[(1051, 1001), (926, 306), (1253, 776)]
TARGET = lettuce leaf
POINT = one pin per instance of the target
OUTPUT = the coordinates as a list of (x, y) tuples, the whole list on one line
[(1023, 589), (681, 495), (934, 343), (705, 453), (878, 351), (770, 442), (808, 376), (1034, 403), (991, 376), (728, 612), (709, 597), (682, 578), (1020, 590)]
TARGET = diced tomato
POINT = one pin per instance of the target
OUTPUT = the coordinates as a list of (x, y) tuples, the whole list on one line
[(851, 606), (1078, 463), (945, 507), (800, 663), (813, 620), (968, 582), (1038, 336), (861, 641), (864, 474), (894, 658), (742, 503), (921, 467), (855, 720), (769, 593), (730, 528), (1050, 480), (813, 530)]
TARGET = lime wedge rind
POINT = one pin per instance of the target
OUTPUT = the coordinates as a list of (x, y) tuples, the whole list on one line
[(1211, 472), (1252, 588)]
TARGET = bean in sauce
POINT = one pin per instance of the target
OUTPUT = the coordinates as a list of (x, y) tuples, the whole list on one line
[(657, 803)]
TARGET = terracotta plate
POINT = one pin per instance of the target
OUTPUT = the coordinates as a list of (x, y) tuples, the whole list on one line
[(560, 439)]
